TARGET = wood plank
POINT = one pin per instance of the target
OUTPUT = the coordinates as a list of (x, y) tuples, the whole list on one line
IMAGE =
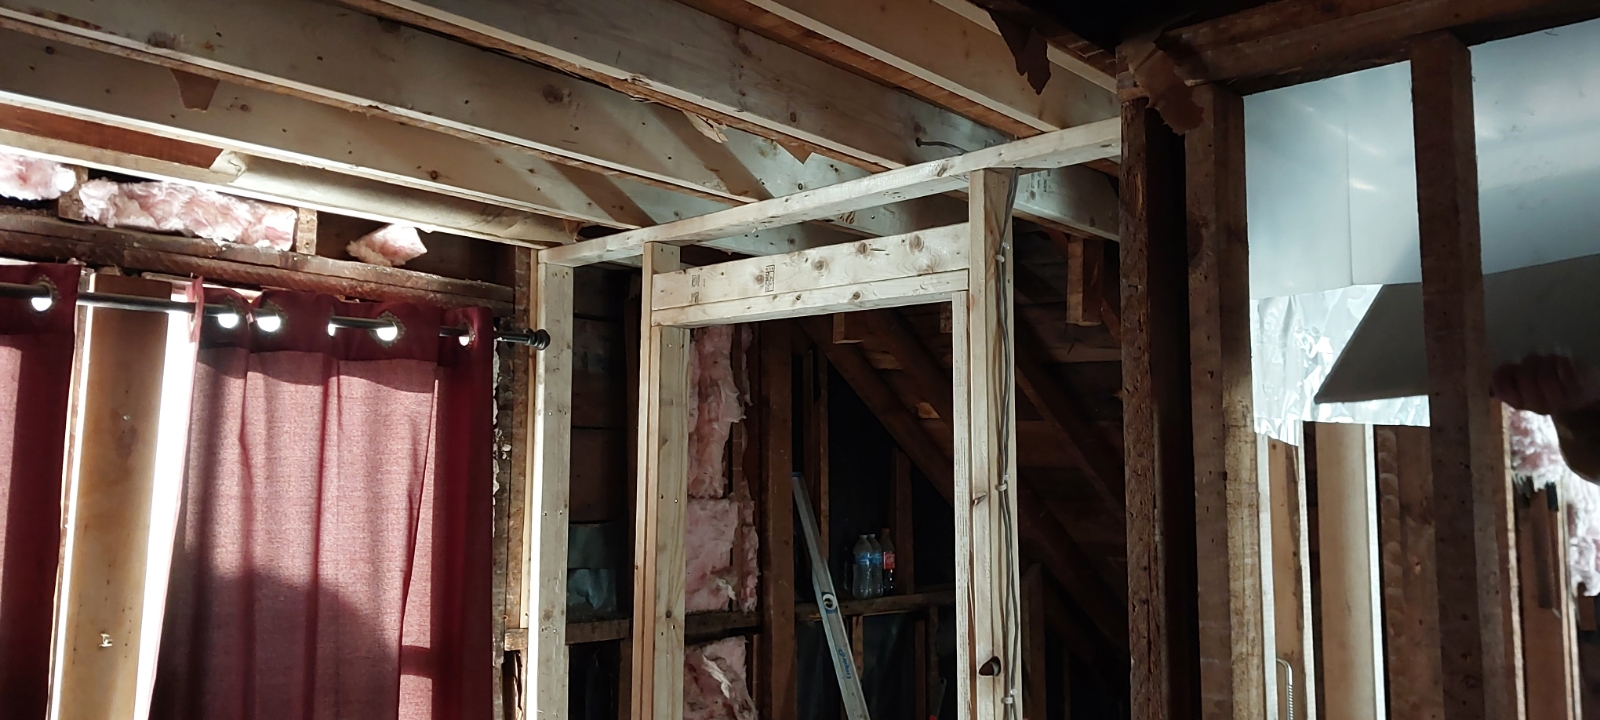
[(1235, 639), (891, 293), (1050, 150), (1157, 429), (1033, 642), (658, 585), (886, 605), (104, 628), (988, 576), (1085, 264), (1347, 538), (931, 51), (1476, 568), (39, 238), (1291, 580), (778, 689), (861, 262), (1410, 581), (549, 493), (1292, 41), (300, 186), (1548, 623)]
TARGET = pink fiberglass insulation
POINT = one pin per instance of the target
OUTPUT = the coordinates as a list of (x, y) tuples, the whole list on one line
[(716, 683), (389, 246), (1536, 454), (715, 410), (709, 527), (29, 178), (174, 207), (749, 564)]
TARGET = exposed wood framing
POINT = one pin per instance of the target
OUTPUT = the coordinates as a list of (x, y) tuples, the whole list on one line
[(1292, 41), (1093, 451), (1291, 579), (101, 625), (1410, 581), (1236, 643), (1549, 623), (1085, 266), (1056, 149), (1064, 47), (544, 605), (39, 238), (881, 272), (1347, 536), (1472, 496), (930, 50), (1033, 642), (270, 180), (988, 576), (663, 485), (1157, 430), (777, 686)]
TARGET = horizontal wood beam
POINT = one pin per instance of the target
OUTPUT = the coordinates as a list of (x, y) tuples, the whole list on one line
[(285, 183), (886, 605), (933, 52), (319, 52), (1290, 41), (32, 237), (897, 292), (1056, 149), (747, 82)]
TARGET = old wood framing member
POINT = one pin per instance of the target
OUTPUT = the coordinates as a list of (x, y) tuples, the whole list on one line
[(965, 264)]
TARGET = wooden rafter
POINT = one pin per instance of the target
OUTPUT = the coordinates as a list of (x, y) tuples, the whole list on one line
[(1093, 451), (1056, 149)]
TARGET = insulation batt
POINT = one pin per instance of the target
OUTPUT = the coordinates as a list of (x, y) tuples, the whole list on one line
[(173, 207), (715, 682), (28, 178), (389, 246), (709, 526), (715, 410), (1536, 454)]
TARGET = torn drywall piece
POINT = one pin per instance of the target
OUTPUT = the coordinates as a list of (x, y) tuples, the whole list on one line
[(709, 527), (29, 178), (715, 410), (389, 246), (716, 683), (174, 207)]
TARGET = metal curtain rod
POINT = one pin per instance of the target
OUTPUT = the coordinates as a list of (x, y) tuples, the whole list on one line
[(43, 296)]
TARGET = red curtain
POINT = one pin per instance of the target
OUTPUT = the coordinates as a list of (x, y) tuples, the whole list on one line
[(333, 550), (35, 377)]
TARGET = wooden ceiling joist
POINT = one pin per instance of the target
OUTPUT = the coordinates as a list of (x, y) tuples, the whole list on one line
[(931, 51), (1057, 149), (121, 92), (745, 81), (344, 58), (62, 139)]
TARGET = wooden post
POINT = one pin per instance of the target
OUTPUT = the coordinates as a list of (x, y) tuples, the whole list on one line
[(1157, 432), (1472, 500), (102, 618), (1235, 640), (776, 662), (1548, 622), (1033, 641), (988, 582), (1291, 579), (549, 492), (1410, 589), (1347, 537), (658, 570)]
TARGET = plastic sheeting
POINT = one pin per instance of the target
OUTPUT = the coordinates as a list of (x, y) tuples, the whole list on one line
[(1536, 454), (716, 683), (389, 246), (174, 207), (1294, 343), (29, 178), (1331, 169)]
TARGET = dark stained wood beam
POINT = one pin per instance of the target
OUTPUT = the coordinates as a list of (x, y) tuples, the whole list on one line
[(1293, 41), (1477, 597), (775, 659), (1043, 537), (1157, 432)]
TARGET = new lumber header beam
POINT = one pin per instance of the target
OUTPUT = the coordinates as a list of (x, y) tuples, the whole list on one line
[(1050, 150)]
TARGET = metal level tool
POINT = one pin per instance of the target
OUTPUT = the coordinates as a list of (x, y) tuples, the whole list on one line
[(855, 702)]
